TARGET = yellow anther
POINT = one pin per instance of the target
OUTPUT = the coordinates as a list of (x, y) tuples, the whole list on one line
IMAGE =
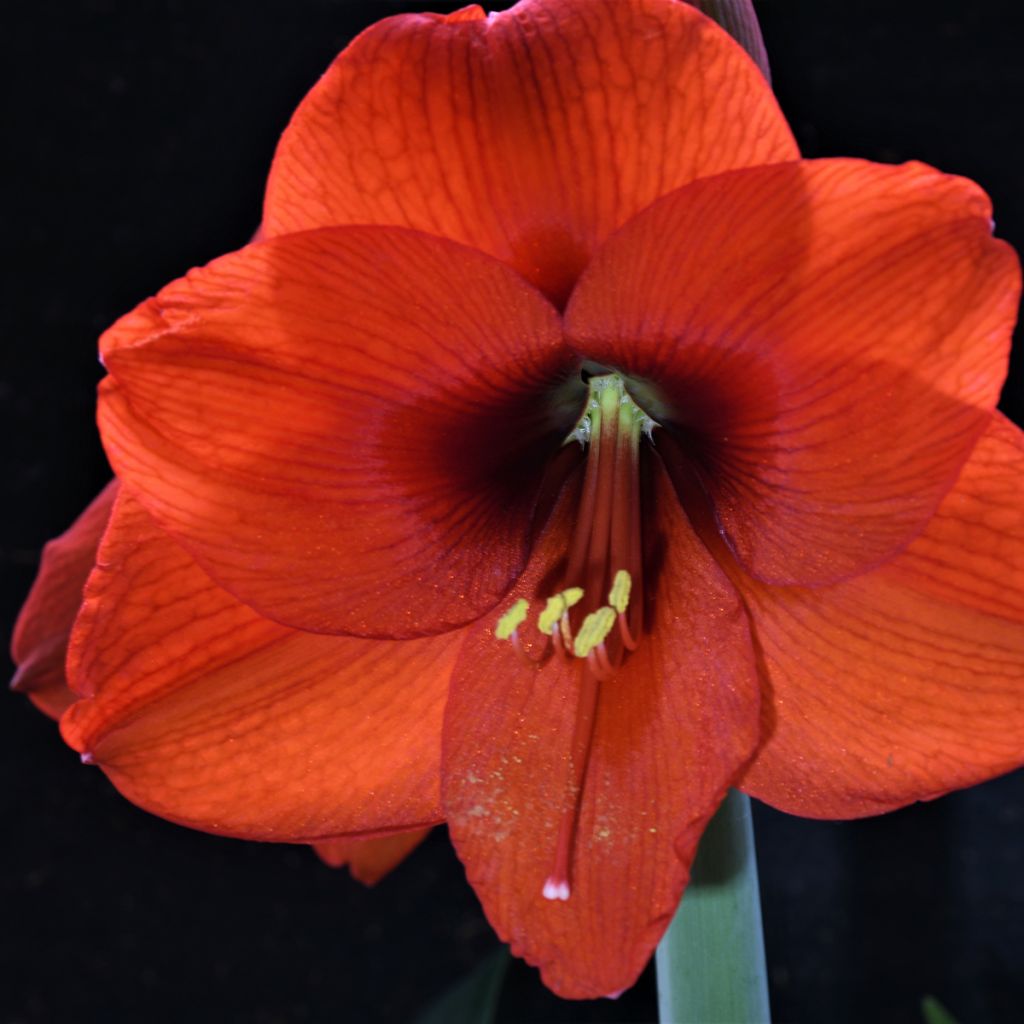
[(618, 596), (512, 619), (596, 626), (556, 607)]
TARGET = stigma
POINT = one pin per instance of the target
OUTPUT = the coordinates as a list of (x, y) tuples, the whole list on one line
[(595, 618)]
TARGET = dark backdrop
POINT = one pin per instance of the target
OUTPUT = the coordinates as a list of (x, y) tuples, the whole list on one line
[(137, 138)]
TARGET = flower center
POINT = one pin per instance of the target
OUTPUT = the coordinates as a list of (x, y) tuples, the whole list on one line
[(593, 619)]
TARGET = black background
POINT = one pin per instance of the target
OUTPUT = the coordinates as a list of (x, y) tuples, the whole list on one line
[(137, 138)]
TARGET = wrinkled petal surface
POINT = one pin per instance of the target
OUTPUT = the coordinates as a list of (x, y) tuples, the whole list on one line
[(673, 729), (203, 712), (530, 134), (828, 337), (40, 643), (907, 682), (369, 860), (342, 426)]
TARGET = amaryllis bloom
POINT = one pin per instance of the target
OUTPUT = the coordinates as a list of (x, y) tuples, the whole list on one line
[(568, 452)]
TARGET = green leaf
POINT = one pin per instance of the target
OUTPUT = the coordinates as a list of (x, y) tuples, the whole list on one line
[(934, 1012), (474, 998), (711, 967)]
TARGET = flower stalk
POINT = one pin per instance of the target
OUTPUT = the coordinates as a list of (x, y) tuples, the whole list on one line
[(710, 963)]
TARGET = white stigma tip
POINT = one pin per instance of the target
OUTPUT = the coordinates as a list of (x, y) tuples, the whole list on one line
[(555, 890), (87, 758), (615, 995)]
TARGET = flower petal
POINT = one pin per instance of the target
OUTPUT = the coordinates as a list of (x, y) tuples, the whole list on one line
[(739, 19), (209, 715), (369, 860), (342, 426), (530, 133), (828, 336), (673, 729), (40, 643), (907, 682)]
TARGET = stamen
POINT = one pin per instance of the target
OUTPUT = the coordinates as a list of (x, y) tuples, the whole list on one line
[(588, 499), (599, 664), (512, 619), (563, 646), (596, 626), (556, 607), (636, 558), (625, 633), (508, 629), (598, 549), (618, 598), (564, 634)]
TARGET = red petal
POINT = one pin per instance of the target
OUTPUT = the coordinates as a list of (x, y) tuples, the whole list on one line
[(40, 643), (907, 682), (211, 716), (672, 731), (829, 337), (739, 19), (530, 133), (369, 860), (344, 427)]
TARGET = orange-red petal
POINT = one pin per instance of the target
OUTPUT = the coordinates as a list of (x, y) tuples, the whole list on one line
[(40, 643), (673, 729), (907, 682), (207, 714), (342, 426), (828, 336), (369, 860), (530, 133)]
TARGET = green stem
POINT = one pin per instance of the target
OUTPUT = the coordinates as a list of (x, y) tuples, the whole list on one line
[(711, 967)]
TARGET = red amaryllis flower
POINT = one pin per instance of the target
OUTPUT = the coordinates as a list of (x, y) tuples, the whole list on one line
[(614, 458)]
